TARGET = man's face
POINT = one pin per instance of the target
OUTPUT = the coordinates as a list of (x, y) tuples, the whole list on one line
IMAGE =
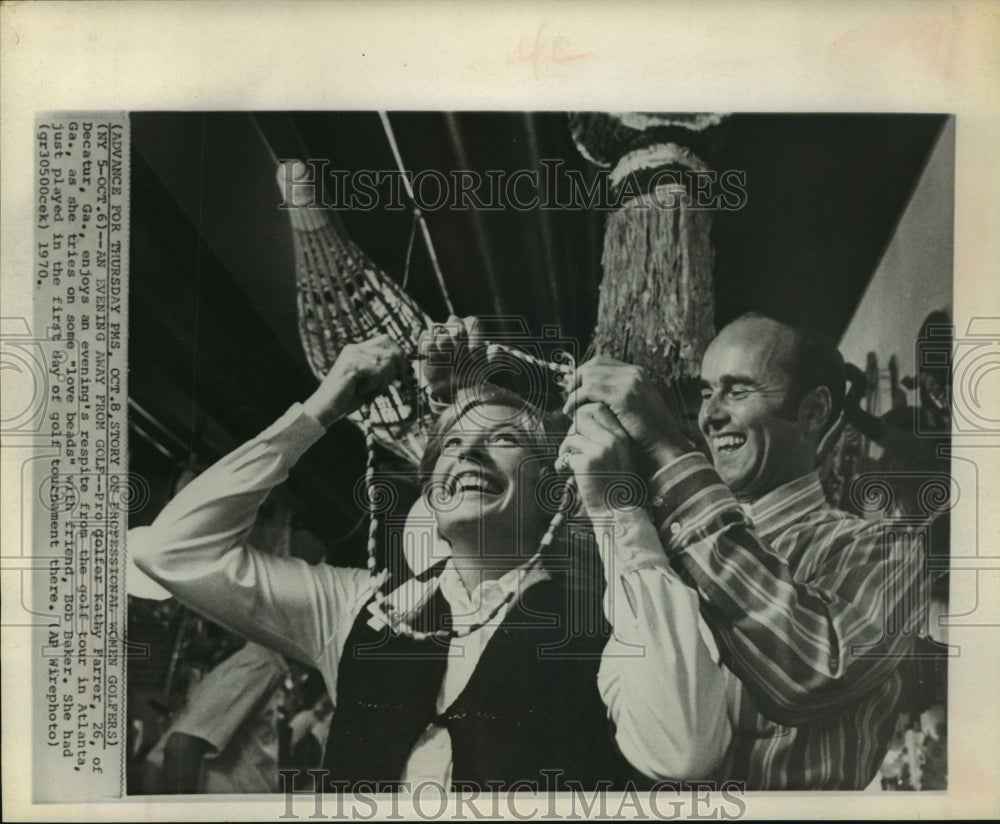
[(747, 413), (485, 478)]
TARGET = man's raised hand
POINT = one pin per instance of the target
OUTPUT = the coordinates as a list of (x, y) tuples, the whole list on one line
[(636, 403), (598, 450)]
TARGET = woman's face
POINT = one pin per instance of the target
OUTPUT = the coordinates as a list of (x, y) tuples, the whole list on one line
[(485, 479)]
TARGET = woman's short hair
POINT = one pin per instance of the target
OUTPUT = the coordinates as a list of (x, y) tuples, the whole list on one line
[(547, 428)]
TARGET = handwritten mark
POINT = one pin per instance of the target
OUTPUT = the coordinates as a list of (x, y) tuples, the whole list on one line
[(544, 50)]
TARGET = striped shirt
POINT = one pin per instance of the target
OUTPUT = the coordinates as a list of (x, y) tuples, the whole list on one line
[(814, 609)]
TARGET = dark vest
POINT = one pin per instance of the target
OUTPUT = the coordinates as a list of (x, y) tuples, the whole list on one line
[(532, 704)]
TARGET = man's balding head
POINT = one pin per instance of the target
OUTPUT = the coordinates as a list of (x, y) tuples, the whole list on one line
[(770, 393), (811, 359)]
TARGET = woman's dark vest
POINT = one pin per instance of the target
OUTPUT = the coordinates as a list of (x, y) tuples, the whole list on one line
[(531, 711)]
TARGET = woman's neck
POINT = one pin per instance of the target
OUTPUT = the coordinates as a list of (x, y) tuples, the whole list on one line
[(476, 562)]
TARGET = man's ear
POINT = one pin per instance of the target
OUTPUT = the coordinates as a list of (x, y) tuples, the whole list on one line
[(815, 409)]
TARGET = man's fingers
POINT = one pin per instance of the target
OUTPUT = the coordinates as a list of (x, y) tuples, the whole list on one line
[(593, 383), (574, 380), (604, 418), (596, 431), (599, 364), (584, 453), (589, 389), (590, 424)]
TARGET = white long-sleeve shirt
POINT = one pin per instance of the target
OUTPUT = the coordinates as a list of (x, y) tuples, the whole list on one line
[(659, 677)]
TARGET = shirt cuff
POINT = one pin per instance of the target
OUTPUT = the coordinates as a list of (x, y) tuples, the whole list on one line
[(294, 433), (690, 501)]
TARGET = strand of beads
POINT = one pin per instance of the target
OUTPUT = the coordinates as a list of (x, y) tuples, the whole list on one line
[(398, 624), (369, 433), (563, 369)]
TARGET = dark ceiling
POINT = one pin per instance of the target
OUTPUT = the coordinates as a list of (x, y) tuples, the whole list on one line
[(214, 351)]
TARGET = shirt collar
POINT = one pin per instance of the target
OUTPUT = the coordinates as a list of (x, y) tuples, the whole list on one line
[(490, 592), (786, 504), (424, 547)]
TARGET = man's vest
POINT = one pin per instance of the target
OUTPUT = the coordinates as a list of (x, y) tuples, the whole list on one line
[(531, 712)]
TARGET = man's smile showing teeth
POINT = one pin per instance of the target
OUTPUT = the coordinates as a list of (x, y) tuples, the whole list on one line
[(729, 442)]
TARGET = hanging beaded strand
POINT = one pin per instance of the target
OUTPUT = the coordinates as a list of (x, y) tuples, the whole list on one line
[(562, 370), (398, 624)]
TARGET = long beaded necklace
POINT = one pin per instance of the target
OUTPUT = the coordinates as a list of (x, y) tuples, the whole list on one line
[(397, 623)]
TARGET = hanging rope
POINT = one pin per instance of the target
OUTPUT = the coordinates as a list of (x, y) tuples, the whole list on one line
[(417, 214), (409, 252)]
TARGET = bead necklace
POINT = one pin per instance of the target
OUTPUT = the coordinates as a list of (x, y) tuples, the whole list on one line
[(398, 624)]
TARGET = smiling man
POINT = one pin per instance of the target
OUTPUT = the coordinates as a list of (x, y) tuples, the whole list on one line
[(813, 610), (769, 394)]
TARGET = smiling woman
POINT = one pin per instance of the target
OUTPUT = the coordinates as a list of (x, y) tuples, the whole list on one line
[(481, 471), (524, 695)]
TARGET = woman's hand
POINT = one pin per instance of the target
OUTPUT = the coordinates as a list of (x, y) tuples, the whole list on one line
[(599, 452), (361, 372), (449, 351)]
